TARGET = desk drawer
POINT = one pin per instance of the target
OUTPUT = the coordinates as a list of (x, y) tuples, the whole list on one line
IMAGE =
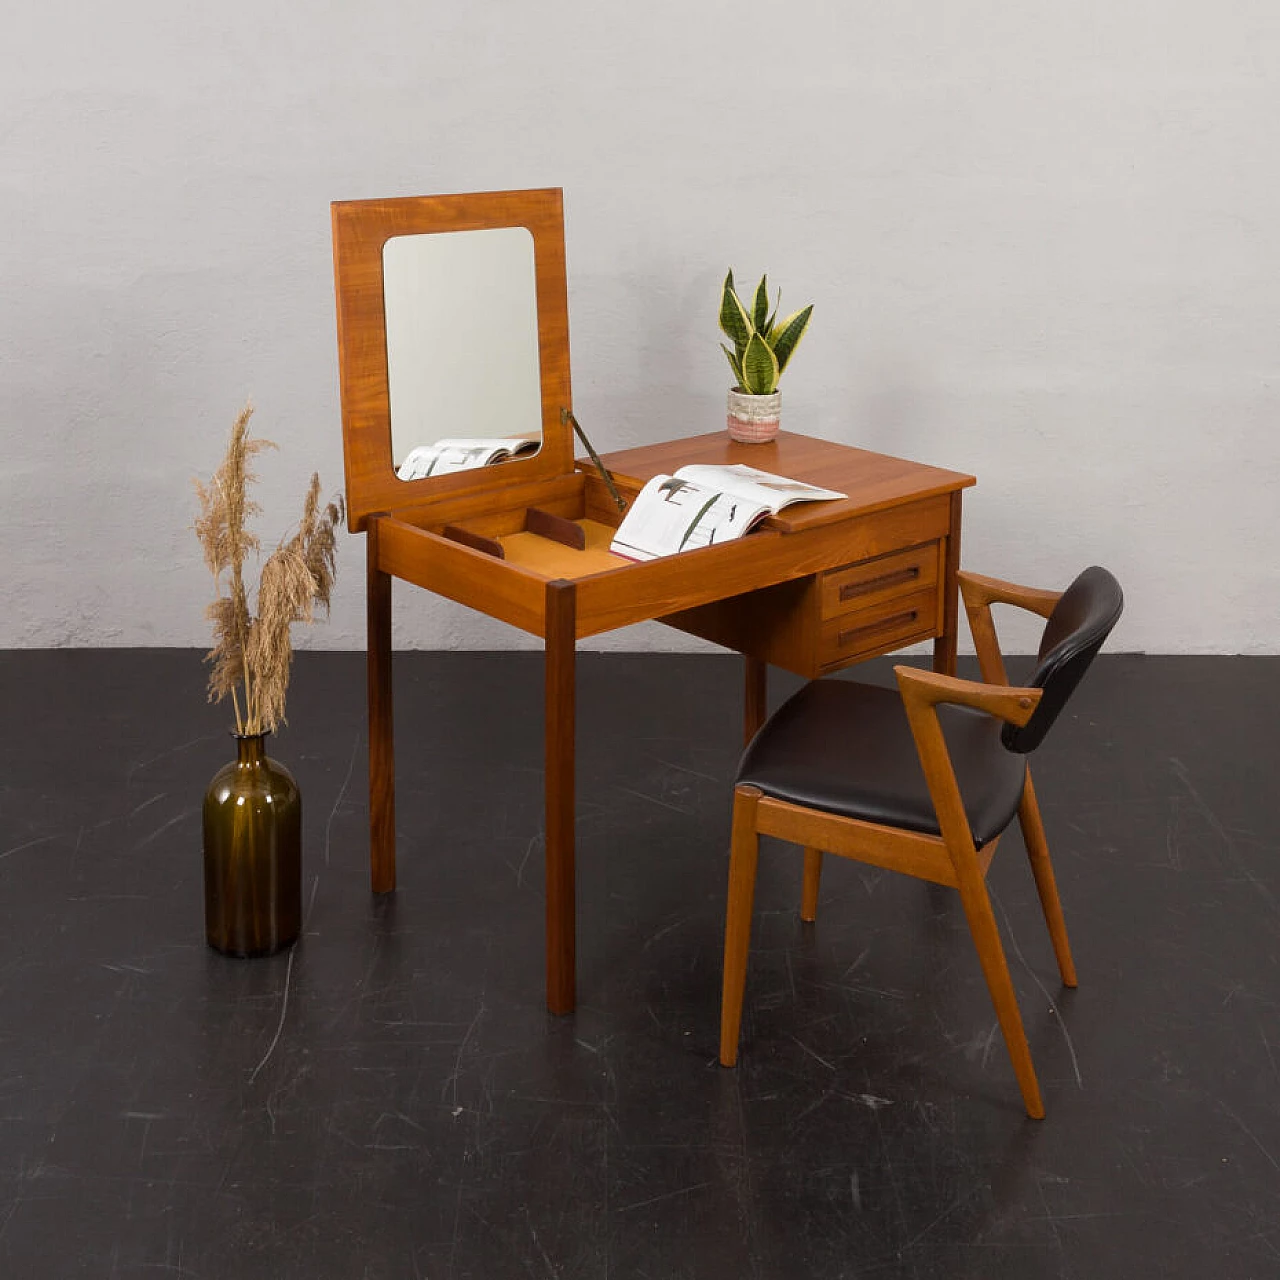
[(879, 628), (856, 587), (830, 618)]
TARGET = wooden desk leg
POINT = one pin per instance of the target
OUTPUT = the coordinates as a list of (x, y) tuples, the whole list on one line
[(944, 647), (382, 769), (755, 702), (561, 648)]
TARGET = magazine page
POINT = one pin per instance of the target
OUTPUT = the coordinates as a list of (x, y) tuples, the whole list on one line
[(446, 456), (671, 514), (760, 487)]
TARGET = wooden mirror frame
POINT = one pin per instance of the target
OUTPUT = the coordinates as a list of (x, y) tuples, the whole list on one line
[(360, 230)]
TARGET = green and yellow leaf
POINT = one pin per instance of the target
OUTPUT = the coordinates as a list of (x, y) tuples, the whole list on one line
[(759, 368), (734, 363), (760, 307), (734, 319), (785, 337)]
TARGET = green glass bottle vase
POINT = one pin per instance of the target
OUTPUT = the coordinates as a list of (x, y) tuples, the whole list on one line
[(252, 854)]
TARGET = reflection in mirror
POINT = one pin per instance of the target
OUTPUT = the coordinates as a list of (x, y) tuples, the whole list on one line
[(462, 349)]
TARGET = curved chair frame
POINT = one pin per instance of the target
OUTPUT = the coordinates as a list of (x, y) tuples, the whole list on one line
[(950, 858)]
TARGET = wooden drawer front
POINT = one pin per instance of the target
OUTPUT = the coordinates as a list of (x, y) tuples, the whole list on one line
[(869, 582), (879, 628)]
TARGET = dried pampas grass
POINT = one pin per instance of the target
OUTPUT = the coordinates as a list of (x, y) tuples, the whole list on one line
[(252, 655)]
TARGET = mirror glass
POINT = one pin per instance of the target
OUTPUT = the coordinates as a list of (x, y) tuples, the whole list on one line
[(462, 349)]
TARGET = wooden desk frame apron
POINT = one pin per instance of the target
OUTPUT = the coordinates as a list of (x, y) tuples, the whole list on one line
[(561, 611)]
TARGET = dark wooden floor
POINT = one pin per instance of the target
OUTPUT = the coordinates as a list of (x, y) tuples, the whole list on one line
[(391, 1100)]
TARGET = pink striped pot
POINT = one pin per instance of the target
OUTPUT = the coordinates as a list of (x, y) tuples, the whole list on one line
[(753, 419)]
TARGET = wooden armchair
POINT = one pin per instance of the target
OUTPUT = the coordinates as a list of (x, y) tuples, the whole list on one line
[(922, 781)]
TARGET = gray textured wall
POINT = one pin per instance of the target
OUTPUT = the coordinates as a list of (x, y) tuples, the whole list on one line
[(1042, 240)]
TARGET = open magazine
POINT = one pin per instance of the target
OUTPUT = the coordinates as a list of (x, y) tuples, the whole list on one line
[(444, 456), (704, 504)]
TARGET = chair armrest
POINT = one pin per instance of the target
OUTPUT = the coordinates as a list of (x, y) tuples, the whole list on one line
[(922, 689), (979, 595), (980, 592)]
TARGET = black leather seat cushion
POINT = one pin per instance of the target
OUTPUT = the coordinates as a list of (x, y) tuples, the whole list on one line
[(847, 748)]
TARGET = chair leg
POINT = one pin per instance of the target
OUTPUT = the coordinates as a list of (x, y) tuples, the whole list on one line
[(743, 856), (1042, 869), (986, 937), (812, 879)]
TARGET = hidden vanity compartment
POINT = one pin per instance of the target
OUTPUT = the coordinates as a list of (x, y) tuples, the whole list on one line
[(543, 524), (563, 532)]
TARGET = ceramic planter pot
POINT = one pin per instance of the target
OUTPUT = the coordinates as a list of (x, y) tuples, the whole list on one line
[(754, 419)]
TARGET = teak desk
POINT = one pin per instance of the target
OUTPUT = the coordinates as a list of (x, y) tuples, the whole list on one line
[(815, 588), (820, 586)]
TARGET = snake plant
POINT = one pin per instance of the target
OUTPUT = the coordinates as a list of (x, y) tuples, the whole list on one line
[(762, 344)]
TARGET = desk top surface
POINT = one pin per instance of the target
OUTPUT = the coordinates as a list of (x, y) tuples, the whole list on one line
[(873, 481)]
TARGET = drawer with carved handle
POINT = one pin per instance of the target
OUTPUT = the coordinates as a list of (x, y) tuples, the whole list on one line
[(831, 618), (880, 628), (858, 586)]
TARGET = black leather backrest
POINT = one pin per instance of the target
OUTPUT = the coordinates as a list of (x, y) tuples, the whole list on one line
[(1090, 607)]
